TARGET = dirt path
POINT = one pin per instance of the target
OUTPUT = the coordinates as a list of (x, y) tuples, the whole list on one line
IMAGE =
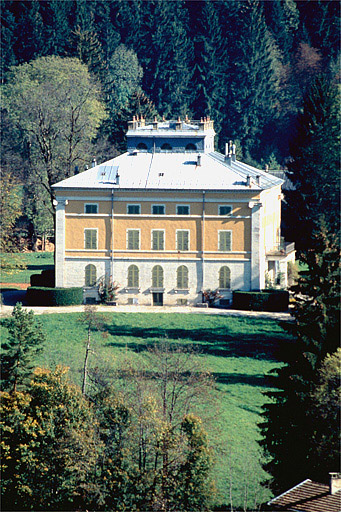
[(7, 310)]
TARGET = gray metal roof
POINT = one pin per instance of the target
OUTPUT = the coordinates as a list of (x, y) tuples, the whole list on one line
[(171, 171)]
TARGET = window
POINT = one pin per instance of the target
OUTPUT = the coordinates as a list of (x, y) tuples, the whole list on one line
[(224, 243), (182, 209), (90, 275), (133, 276), (141, 145), (166, 146), (191, 147), (225, 210), (224, 278), (133, 239), (182, 277), (158, 209), (182, 240), (133, 209), (158, 240), (90, 238), (91, 208), (157, 277)]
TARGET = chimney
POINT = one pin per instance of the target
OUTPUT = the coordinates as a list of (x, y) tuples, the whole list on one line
[(117, 179), (248, 181), (334, 483), (233, 152), (155, 123), (266, 168), (228, 155), (258, 179), (198, 160), (94, 163), (178, 124), (143, 121), (76, 170)]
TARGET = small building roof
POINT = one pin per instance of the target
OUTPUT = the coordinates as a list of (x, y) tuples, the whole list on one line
[(172, 171), (308, 496)]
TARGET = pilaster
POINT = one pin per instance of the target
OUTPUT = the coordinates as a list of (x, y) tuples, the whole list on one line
[(60, 242), (257, 248)]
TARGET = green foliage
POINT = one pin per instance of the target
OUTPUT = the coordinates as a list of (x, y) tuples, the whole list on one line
[(41, 296), (57, 105), (45, 279), (292, 437), (314, 170), (10, 210), (266, 300), (49, 445), (24, 342)]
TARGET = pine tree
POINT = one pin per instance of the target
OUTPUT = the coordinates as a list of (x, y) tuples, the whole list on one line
[(314, 169), (25, 341), (254, 79)]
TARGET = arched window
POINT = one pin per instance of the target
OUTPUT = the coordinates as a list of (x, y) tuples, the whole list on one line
[(191, 147), (182, 277), (224, 278), (166, 146), (157, 277), (141, 145), (90, 275), (133, 276)]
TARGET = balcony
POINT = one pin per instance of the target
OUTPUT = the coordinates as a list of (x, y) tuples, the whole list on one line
[(282, 249)]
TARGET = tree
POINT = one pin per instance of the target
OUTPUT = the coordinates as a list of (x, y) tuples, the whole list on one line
[(292, 439), (10, 210), (314, 169), (25, 341), (255, 79), (57, 105), (48, 445)]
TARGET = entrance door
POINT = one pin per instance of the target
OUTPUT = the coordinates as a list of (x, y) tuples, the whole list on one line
[(157, 299)]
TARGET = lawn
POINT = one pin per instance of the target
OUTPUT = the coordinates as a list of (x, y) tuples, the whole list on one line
[(238, 351), (35, 262)]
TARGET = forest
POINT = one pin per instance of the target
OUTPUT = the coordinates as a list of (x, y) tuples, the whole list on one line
[(246, 64)]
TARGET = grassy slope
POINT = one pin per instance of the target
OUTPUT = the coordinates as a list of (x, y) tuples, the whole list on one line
[(238, 351), (35, 262)]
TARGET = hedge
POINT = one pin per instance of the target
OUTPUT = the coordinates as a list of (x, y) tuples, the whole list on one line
[(43, 296), (45, 279), (265, 300)]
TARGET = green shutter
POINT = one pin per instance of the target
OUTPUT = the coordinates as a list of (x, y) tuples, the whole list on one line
[(182, 277), (90, 275), (157, 277), (90, 238), (225, 241), (133, 276), (224, 278), (183, 240), (133, 239), (158, 241)]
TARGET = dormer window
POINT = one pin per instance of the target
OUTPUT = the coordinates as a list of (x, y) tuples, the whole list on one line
[(191, 147), (166, 147)]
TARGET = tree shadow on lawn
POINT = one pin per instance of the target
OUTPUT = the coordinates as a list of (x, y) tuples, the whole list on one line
[(241, 378), (11, 296), (39, 267), (215, 342)]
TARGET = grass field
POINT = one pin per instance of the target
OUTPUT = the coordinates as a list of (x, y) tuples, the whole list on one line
[(238, 351), (35, 262)]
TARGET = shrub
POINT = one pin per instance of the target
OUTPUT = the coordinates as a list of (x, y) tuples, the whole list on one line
[(45, 279), (43, 296), (265, 300)]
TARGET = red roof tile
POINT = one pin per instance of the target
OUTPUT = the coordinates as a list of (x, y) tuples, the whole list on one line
[(308, 496)]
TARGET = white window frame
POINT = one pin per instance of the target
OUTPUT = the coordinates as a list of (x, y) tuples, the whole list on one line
[(91, 229), (133, 229), (224, 206), (184, 214), (189, 240), (224, 231), (134, 204), (91, 204), (164, 208), (164, 240)]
